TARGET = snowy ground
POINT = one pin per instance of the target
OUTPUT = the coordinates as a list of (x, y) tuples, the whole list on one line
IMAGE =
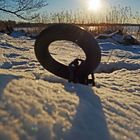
[(37, 105)]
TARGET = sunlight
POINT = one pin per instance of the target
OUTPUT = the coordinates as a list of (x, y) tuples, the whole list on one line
[(94, 5)]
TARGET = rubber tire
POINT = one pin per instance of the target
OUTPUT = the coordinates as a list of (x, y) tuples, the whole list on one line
[(72, 33)]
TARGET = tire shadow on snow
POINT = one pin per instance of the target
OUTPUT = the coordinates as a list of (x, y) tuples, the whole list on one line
[(89, 123), (4, 80)]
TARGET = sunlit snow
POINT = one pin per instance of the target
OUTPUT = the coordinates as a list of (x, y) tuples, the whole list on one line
[(37, 105)]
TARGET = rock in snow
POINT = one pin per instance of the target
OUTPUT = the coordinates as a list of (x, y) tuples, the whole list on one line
[(37, 105)]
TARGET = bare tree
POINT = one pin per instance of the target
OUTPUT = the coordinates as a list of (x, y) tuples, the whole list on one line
[(24, 9)]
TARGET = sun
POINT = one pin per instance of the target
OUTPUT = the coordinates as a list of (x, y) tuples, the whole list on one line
[(94, 5)]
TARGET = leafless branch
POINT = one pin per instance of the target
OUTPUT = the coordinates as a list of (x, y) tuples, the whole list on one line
[(21, 7)]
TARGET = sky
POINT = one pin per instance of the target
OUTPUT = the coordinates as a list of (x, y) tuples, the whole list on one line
[(59, 5), (55, 5)]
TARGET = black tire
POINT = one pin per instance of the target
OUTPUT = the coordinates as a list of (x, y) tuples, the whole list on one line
[(72, 33)]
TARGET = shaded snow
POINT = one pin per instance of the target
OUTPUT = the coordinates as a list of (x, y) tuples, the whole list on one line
[(52, 110), (37, 105), (116, 57)]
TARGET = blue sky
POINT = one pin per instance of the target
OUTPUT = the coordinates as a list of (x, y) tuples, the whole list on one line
[(59, 5), (55, 5)]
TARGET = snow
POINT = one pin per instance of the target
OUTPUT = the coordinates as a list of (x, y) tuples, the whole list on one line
[(37, 105), (19, 34)]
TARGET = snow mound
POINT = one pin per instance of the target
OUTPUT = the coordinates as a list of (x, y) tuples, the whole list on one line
[(118, 37), (117, 57)]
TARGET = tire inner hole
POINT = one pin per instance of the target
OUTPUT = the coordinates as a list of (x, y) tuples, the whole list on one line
[(66, 51)]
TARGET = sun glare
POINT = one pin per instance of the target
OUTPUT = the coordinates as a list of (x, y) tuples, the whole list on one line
[(94, 5)]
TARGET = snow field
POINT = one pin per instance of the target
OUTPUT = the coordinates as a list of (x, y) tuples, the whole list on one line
[(37, 105)]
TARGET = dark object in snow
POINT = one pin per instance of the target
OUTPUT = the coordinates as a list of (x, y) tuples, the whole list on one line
[(73, 69), (71, 33), (129, 40)]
